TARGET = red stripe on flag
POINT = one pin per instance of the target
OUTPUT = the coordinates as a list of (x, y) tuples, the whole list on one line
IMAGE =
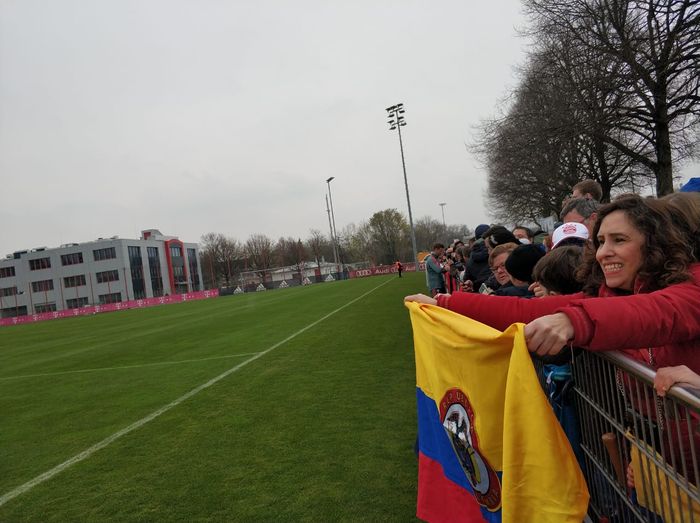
[(440, 499)]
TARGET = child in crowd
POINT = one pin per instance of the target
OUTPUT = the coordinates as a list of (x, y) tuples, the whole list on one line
[(556, 272)]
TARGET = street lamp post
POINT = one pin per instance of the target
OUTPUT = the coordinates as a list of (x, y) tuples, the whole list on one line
[(396, 122), (442, 207)]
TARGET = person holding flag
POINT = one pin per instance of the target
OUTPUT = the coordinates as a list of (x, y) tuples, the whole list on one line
[(655, 317), (655, 278)]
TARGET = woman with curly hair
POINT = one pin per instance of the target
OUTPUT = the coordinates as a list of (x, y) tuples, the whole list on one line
[(641, 295), (641, 292)]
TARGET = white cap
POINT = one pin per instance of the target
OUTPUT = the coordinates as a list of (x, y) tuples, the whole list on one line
[(567, 231)]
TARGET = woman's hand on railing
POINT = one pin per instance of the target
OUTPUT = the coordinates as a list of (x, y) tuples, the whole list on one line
[(667, 377), (549, 334)]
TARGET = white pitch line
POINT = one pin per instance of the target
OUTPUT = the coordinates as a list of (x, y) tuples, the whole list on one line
[(98, 369), (153, 415)]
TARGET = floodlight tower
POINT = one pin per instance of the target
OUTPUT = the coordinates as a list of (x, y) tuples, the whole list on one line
[(330, 226), (334, 231), (396, 122), (442, 207)]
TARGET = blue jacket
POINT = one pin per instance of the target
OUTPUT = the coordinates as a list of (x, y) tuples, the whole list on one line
[(433, 273)]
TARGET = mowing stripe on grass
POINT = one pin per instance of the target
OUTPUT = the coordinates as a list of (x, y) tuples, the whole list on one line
[(153, 415), (141, 333), (127, 366)]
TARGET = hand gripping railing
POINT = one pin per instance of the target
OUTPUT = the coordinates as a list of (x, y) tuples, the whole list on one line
[(626, 435)]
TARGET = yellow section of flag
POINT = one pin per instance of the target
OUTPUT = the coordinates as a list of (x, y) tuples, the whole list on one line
[(654, 490), (517, 430)]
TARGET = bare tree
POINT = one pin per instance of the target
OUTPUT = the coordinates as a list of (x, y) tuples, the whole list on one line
[(258, 248), (356, 243), (282, 252), (429, 230), (593, 82), (220, 258), (315, 243), (291, 252), (531, 153), (299, 256), (556, 132), (654, 46), (390, 235)]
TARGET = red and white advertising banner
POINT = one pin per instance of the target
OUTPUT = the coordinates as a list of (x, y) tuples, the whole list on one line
[(111, 307), (385, 269)]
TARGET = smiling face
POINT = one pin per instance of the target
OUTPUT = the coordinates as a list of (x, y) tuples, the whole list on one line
[(621, 250)]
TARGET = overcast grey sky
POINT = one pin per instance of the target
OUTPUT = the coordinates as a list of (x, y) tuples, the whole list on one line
[(228, 116)]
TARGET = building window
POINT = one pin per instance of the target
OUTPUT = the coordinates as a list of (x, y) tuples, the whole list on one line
[(104, 277), (104, 254), (177, 263), (76, 303), (39, 263), (72, 259), (194, 271), (154, 271), (44, 307), (137, 280), (12, 312), (43, 285), (8, 291), (7, 272), (74, 281), (114, 297)]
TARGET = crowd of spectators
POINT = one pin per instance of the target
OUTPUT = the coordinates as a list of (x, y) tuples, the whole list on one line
[(644, 250), (501, 261)]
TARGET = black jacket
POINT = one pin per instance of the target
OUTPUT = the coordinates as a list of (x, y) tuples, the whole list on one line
[(478, 270)]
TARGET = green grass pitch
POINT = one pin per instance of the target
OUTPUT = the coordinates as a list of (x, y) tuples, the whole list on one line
[(321, 428)]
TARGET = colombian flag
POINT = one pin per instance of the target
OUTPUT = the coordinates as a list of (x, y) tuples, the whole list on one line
[(490, 448)]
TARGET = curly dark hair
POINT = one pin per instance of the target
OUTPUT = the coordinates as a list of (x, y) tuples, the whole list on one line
[(684, 210), (666, 254)]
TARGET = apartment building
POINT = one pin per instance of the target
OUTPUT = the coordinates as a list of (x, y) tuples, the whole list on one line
[(107, 270)]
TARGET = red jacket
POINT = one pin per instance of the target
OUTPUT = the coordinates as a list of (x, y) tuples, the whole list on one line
[(667, 321)]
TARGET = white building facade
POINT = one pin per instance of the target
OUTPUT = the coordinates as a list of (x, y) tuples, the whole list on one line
[(107, 270)]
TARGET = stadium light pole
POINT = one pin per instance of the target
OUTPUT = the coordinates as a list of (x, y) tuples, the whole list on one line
[(336, 243), (396, 122), (330, 226), (442, 207)]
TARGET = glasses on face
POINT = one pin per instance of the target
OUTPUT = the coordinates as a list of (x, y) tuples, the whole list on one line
[(500, 266)]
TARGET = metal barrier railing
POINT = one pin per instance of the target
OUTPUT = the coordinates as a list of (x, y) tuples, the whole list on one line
[(623, 427)]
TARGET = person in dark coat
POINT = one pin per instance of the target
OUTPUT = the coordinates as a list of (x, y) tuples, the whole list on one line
[(520, 264), (477, 268)]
